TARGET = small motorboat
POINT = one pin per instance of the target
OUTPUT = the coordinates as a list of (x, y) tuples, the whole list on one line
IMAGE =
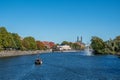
[(118, 55), (38, 62)]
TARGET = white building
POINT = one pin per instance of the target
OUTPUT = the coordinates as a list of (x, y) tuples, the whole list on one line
[(64, 47)]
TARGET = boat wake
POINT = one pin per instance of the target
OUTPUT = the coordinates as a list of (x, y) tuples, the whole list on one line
[(25, 73)]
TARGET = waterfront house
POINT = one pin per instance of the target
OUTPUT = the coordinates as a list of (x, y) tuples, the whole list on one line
[(64, 47)]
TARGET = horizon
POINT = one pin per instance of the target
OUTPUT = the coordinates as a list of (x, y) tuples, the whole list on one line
[(61, 20)]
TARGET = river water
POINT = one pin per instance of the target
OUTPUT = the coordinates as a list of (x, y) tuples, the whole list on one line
[(61, 66)]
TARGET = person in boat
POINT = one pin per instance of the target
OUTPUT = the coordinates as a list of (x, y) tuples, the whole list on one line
[(38, 61)]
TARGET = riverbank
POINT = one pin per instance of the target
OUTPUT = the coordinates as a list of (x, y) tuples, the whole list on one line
[(18, 53)]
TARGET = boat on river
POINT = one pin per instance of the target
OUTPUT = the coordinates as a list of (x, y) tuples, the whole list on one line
[(118, 55), (38, 62)]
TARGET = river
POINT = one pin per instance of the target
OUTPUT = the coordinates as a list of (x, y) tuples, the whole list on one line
[(61, 66)]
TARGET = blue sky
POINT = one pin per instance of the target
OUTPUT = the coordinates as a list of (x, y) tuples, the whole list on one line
[(59, 20)]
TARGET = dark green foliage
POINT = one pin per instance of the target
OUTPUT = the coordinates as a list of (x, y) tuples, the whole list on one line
[(6, 41), (117, 44), (3, 30), (97, 44), (105, 47), (76, 46), (12, 41), (65, 43), (17, 41)]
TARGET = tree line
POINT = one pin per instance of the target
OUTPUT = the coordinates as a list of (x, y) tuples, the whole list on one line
[(111, 46), (12, 41)]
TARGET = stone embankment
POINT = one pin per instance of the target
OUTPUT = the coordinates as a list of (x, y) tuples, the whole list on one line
[(18, 53)]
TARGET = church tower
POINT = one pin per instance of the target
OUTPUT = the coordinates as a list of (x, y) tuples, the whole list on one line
[(81, 39), (77, 38)]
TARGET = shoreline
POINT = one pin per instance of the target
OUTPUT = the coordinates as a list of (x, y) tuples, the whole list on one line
[(20, 53)]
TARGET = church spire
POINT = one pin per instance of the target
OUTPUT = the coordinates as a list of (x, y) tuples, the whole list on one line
[(77, 38), (81, 39)]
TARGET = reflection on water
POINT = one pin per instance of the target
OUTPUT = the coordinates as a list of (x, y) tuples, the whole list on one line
[(61, 66)]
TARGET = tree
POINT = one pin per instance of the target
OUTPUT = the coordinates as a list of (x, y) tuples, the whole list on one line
[(3, 34), (76, 46), (5, 39), (40, 45), (29, 43), (98, 45), (51, 44), (65, 43), (3, 30), (117, 44), (17, 41), (110, 46)]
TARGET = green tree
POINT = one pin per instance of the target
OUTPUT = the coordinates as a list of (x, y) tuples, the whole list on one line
[(5, 39), (3, 35), (3, 30), (65, 43), (98, 45), (110, 45), (29, 43), (16, 41), (117, 44), (76, 46)]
